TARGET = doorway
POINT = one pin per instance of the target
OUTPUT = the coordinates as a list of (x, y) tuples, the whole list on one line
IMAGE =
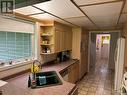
[(102, 46), (99, 48)]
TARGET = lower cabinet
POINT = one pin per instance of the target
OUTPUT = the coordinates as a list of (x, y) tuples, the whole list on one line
[(73, 73)]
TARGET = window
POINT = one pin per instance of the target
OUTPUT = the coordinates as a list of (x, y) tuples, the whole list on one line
[(7, 6), (14, 45)]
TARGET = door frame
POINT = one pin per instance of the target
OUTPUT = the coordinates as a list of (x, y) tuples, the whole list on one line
[(89, 44)]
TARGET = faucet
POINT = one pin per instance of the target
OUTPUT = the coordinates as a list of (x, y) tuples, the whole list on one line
[(35, 68), (36, 61)]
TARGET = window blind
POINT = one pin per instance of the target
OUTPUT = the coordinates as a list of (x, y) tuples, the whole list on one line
[(17, 25), (15, 45)]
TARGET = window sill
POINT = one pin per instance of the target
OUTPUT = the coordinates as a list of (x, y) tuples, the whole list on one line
[(14, 65)]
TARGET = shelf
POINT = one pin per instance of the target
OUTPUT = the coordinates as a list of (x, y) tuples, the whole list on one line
[(47, 53), (46, 44), (46, 35)]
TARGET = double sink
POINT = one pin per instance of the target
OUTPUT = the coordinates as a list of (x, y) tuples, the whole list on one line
[(49, 78)]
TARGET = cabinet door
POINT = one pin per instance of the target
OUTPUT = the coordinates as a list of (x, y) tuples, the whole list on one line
[(57, 41), (62, 40), (68, 40), (76, 68), (70, 74), (73, 75)]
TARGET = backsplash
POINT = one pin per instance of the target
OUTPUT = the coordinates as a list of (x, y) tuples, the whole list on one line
[(48, 58)]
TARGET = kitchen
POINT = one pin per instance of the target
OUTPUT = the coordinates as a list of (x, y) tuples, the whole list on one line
[(42, 39)]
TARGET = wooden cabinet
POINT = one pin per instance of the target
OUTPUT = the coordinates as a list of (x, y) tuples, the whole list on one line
[(68, 40), (63, 40), (73, 73), (55, 38), (57, 41)]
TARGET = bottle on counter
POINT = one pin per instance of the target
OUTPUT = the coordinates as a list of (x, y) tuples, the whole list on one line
[(29, 81)]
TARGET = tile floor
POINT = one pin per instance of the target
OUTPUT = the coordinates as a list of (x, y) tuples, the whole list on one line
[(99, 81)]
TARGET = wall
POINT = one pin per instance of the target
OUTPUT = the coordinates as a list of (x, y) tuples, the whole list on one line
[(92, 50), (113, 43), (84, 52)]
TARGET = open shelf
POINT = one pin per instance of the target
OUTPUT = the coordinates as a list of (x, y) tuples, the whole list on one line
[(47, 35), (47, 53), (47, 40), (46, 44)]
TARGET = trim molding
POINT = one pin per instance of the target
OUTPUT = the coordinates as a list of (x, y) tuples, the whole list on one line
[(100, 3)]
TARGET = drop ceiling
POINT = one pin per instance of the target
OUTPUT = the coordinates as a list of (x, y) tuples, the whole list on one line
[(91, 14)]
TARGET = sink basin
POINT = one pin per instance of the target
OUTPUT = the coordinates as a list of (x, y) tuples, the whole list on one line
[(49, 78)]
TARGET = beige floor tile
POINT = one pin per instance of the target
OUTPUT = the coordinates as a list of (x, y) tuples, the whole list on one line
[(90, 93), (83, 92), (107, 92), (85, 89), (92, 89), (99, 81)]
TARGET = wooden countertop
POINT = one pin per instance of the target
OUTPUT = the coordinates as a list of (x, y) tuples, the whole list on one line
[(18, 85)]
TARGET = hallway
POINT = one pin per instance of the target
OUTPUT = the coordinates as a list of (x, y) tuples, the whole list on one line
[(99, 81)]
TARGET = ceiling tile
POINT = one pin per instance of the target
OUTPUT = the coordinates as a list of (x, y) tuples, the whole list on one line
[(44, 17), (27, 10), (104, 9), (123, 18), (47, 17), (82, 21), (103, 15), (61, 8), (86, 2)]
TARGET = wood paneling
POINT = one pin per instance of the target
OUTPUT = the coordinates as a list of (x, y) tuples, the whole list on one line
[(84, 52)]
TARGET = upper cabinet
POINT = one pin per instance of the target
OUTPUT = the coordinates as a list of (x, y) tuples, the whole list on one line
[(55, 38)]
